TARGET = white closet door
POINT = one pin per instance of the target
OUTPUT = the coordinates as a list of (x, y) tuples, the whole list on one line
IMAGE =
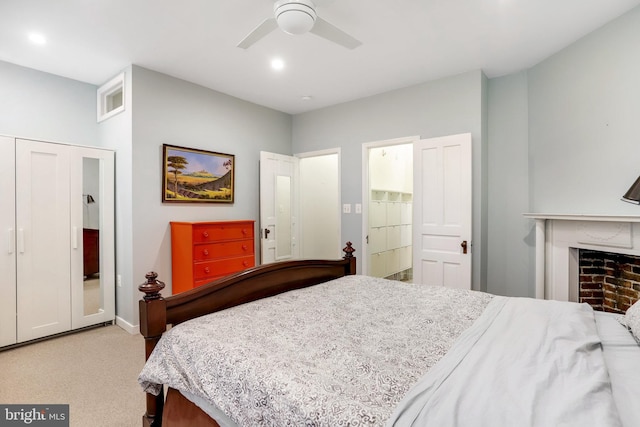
[(92, 208), (43, 239), (7, 239)]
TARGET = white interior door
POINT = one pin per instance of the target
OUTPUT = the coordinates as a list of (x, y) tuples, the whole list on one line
[(43, 239), (8, 236), (278, 207), (442, 211)]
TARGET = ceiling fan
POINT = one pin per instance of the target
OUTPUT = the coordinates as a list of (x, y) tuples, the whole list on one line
[(298, 17)]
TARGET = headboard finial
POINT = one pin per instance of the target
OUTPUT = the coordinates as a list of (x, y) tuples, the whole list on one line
[(151, 287), (348, 250)]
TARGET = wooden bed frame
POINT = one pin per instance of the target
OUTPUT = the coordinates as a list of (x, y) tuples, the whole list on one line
[(156, 312)]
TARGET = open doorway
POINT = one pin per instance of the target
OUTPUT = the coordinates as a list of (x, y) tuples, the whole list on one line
[(387, 208), (300, 206), (417, 222), (320, 218)]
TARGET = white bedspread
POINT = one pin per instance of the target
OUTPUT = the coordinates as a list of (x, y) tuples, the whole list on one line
[(622, 356), (524, 363)]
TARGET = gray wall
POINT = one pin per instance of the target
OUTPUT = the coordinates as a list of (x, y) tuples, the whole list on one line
[(562, 139), (509, 268), (116, 134), (160, 109), (42, 106), (444, 107), (584, 108), (167, 110)]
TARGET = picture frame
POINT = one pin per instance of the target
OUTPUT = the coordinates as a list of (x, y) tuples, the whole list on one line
[(192, 175)]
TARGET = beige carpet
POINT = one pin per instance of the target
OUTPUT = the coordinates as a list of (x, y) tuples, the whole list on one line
[(94, 371)]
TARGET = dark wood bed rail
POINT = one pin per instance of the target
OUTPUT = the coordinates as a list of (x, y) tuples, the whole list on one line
[(156, 312)]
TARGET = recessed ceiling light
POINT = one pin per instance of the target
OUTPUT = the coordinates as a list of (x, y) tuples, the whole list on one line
[(37, 38), (307, 98), (277, 64)]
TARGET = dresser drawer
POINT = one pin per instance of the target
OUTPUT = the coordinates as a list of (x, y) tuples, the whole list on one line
[(216, 232), (205, 251), (223, 267), (211, 251)]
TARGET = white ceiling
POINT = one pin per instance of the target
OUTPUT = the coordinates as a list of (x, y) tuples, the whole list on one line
[(405, 42)]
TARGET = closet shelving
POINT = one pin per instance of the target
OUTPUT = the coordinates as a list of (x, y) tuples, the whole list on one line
[(389, 232)]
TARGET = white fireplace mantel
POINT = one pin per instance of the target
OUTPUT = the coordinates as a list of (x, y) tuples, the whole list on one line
[(584, 217), (558, 238)]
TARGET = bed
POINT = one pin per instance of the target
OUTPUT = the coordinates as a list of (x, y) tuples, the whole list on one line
[(311, 343)]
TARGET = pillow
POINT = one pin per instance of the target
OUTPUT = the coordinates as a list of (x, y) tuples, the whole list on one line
[(632, 320)]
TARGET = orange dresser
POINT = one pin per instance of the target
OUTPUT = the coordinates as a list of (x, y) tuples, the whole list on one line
[(205, 251)]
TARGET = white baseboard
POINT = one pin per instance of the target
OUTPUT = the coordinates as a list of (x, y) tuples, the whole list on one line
[(132, 329)]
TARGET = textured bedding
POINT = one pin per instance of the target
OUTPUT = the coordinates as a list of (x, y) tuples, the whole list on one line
[(524, 362), (361, 351), (622, 356), (342, 353)]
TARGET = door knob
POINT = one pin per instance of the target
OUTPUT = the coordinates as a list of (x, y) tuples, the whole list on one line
[(266, 233), (464, 246)]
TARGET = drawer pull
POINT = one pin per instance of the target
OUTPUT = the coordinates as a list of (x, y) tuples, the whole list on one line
[(205, 234), (205, 252), (244, 247), (206, 270), (245, 263), (244, 231)]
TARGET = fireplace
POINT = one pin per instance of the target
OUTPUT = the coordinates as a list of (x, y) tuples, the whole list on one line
[(608, 281), (559, 241)]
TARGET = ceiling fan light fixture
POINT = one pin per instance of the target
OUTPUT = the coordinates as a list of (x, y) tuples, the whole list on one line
[(295, 17), (298, 17)]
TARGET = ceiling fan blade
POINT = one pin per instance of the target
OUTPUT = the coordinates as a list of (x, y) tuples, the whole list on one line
[(332, 33), (259, 32)]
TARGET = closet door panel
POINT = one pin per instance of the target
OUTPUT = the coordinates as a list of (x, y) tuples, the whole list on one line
[(7, 242), (43, 239), (92, 214)]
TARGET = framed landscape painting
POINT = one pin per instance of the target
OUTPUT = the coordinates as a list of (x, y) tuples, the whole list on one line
[(197, 176)]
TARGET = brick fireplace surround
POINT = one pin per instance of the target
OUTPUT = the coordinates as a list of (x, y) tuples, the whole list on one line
[(609, 278), (608, 281)]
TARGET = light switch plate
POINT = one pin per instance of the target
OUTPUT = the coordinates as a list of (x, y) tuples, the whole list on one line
[(346, 208)]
